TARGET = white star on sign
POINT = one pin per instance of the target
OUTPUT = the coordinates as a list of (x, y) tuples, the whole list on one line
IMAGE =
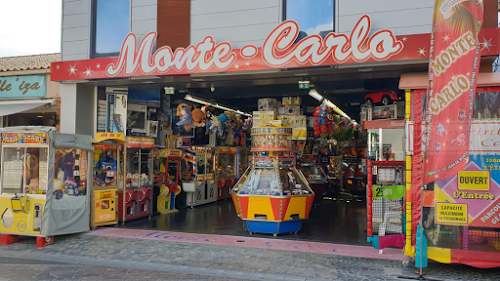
[(98, 66), (468, 73), (486, 44), (247, 63), (57, 67), (446, 38), (72, 69), (404, 38), (421, 51), (453, 77), (461, 127), (236, 66), (448, 121), (88, 72)]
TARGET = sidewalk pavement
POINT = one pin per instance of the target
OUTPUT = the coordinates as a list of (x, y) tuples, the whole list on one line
[(117, 254)]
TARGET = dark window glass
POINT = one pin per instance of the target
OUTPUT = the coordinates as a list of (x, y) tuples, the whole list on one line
[(111, 26), (313, 16)]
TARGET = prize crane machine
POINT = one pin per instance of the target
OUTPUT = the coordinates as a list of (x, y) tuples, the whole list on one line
[(44, 184), (137, 202), (226, 162), (198, 175), (315, 175), (272, 196), (108, 178), (169, 170)]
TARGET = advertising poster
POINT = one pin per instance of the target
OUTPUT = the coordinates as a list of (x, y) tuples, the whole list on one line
[(472, 197), (39, 138), (454, 62)]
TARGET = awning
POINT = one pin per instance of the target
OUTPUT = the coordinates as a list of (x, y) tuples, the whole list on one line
[(421, 80), (18, 106)]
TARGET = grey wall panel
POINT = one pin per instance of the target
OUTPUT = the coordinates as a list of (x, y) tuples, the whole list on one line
[(144, 17), (138, 3), (403, 16), (75, 34), (238, 22), (144, 26), (144, 12), (85, 100), (75, 29)]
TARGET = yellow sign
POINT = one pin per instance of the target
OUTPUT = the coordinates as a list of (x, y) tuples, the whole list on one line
[(299, 134), (474, 180), (450, 213), (99, 137)]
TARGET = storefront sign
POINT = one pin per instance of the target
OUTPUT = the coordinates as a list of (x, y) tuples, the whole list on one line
[(24, 138), (454, 63), (277, 52), (384, 124), (137, 142), (452, 214), (22, 87), (485, 137)]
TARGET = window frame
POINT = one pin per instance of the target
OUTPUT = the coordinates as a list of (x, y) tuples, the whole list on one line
[(284, 5), (93, 30)]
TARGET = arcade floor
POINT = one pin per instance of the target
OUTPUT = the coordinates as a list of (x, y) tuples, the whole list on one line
[(341, 222)]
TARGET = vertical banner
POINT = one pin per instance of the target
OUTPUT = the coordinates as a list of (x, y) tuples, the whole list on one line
[(453, 66)]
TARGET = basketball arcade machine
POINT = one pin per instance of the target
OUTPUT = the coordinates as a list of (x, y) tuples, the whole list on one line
[(44, 176)]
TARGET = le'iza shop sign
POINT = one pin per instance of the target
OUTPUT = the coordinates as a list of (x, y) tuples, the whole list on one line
[(22, 87), (280, 50)]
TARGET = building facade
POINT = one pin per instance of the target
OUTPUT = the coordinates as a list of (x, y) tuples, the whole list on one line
[(27, 94)]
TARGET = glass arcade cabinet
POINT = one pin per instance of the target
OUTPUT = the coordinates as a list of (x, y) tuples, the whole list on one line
[(44, 184), (272, 196), (198, 175), (226, 170), (169, 169)]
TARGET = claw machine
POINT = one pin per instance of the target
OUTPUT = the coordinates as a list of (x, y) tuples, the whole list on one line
[(243, 161), (198, 175), (44, 184), (272, 196), (137, 201), (227, 170), (109, 178), (169, 171)]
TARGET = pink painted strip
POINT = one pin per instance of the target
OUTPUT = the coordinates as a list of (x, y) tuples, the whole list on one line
[(252, 242)]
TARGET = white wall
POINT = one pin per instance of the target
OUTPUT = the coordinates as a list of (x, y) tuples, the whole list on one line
[(240, 22), (75, 35), (144, 14), (404, 17)]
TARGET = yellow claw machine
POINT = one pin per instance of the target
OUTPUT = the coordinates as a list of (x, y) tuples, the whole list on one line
[(44, 184), (108, 163)]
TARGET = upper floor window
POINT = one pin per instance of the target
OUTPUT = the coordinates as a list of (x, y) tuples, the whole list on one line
[(313, 16), (111, 26)]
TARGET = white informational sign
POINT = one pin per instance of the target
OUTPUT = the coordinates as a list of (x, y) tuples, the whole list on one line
[(484, 137), (101, 115)]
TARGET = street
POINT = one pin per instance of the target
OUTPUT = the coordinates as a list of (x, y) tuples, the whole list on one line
[(99, 256)]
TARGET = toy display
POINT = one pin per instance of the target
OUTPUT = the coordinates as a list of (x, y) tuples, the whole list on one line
[(169, 171), (227, 174), (136, 201), (243, 161), (313, 172), (198, 175), (383, 98), (108, 178), (272, 196), (44, 177)]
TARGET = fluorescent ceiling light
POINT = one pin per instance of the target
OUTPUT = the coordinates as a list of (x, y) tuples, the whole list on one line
[(200, 101), (313, 93)]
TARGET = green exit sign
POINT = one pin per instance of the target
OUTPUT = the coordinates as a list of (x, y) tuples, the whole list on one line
[(304, 85), (169, 90)]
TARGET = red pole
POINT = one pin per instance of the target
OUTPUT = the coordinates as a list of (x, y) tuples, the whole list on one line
[(369, 201)]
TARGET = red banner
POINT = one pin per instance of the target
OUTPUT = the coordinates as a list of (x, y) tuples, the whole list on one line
[(453, 65)]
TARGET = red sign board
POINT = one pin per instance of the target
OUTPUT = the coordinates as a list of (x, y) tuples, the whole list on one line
[(278, 52)]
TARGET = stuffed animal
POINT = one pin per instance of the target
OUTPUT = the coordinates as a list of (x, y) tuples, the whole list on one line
[(198, 116), (136, 178), (144, 179), (237, 125), (184, 112), (247, 125)]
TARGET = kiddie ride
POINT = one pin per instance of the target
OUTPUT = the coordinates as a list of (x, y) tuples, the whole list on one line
[(272, 196), (169, 168), (44, 184)]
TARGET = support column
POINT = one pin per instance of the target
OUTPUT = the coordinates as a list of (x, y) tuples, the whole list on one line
[(68, 108)]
